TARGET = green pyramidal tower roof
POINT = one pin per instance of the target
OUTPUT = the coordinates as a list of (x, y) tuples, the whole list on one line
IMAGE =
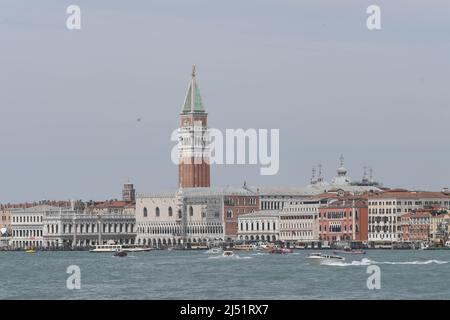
[(193, 101)]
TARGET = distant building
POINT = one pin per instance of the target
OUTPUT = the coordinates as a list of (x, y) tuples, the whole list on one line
[(440, 226), (299, 219), (27, 226), (5, 222), (415, 226), (68, 228), (259, 226), (344, 219), (386, 209), (343, 182), (192, 215), (128, 193), (56, 227)]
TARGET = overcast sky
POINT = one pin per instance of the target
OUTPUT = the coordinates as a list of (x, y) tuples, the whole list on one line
[(70, 100)]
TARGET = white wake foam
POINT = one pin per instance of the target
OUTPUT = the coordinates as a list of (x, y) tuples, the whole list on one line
[(228, 258), (367, 262)]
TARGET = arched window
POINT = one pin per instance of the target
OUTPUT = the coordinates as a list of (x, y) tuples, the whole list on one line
[(191, 211), (157, 211), (145, 212), (170, 211), (179, 214), (229, 214)]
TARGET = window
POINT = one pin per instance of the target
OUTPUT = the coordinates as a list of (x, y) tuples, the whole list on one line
[(229, 214), (145, 212), (191, 211), (157, 211), (170, 212)]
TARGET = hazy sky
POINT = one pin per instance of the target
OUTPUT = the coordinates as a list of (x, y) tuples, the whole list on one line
[(70, 100)]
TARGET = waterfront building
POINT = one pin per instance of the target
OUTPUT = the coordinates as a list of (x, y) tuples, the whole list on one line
[(275, 198), (415, 226), (259, 226), (440, 226), (70, 228), (49, 226), (299, 219), (344, 219), (5, 221), (405, 227), (192, 215), (5, 227), (386, 209), (27, 226)]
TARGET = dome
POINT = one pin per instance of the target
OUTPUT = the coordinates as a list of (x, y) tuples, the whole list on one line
[(342, 171)]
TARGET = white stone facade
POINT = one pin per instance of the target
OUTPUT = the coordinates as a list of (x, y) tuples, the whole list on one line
[(179, 218), (259, 226), (53, 227), (386, 208)]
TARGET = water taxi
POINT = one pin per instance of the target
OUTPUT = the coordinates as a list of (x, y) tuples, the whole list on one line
[(30, 251), (120, 254), (228, 254), (214, 251), (324, 258)]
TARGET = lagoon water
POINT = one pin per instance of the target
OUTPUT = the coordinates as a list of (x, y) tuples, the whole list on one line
[(405, 274)]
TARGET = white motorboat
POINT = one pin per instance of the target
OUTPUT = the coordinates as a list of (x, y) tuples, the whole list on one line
[(228, 254), (214, 251), (322, 258)]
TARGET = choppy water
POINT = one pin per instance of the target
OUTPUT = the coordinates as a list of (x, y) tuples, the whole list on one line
[(196, 275)]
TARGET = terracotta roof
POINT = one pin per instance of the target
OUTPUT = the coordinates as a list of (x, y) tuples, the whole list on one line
[(397, 194)]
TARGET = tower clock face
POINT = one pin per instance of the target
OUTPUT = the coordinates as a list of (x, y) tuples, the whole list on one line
[(186, 122)]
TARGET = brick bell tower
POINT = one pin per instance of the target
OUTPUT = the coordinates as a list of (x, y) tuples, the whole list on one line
[(193, 146)]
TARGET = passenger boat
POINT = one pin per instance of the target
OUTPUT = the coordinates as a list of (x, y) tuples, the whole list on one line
[(245, 247), (134, 248), (104, 248), (324, 258), (281, 250), (199, 247), (228, 254)]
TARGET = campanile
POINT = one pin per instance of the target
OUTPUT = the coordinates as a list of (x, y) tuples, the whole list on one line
[(193, 147)]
